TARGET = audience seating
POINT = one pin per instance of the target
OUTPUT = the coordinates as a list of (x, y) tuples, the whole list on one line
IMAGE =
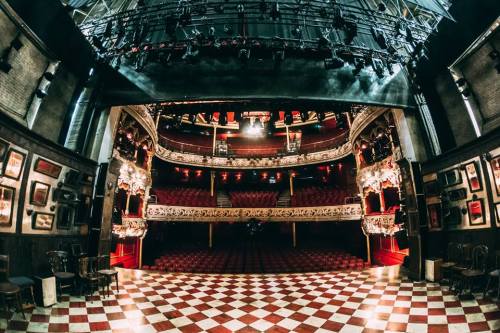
[(253, 199), (318, 196), (190, 197), (249, 259)]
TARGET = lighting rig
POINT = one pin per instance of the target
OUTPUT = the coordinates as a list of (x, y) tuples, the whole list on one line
[(334, 32)]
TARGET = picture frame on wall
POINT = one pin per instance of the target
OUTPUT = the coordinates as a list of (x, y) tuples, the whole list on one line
[(39, 193), (7, 195), (65, 215), (475, 209), (450, 177), (4, 147), (47, 168), (495, 169), (42, 221), (454, 218), (14, 164), (435, 215), (473, 178), (431, 188)]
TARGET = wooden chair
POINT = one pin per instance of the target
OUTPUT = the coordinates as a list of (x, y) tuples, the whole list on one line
[(477, 268), (58, 261), (463, 262), (452, 258), (8, 290), (494, 275), (23, 282), (107, 272), (87, 271)]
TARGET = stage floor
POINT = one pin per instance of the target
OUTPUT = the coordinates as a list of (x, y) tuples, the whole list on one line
[(372, 300)]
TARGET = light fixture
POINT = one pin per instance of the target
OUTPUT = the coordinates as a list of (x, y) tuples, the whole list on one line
[(350, 29), (275, 11), (192, 118), (359, 64), (171, 24), (378, 67), (190, 55), (334, 63), (320, 115), (381, 7), (208, 116), (304, 116), (240, 9), (278, 57), (379, 37), (244, 56)]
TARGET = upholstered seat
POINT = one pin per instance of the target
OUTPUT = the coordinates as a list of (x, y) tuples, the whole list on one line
[(64, 275), (21, 281)]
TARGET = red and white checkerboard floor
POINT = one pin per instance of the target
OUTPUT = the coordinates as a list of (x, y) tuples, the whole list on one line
[(374, 300)]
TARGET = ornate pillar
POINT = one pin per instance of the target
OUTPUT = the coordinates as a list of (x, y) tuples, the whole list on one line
[(294, 235), (140, 253), (368, 250), (214, 140), (212, 183), (287, 139), (290, 176), (210, 235), (128, 202)]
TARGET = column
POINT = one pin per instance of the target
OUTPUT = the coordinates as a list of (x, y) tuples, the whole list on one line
[(213, 143), (368, 251), (140, 253), (212, 183), (290, 176), (287, 139), (127, 204), (210, 235), (294, 235), (381, 198)]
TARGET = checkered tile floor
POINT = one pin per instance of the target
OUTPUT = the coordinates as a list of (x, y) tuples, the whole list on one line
[(375, 300)]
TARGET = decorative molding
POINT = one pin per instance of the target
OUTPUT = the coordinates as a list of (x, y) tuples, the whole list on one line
[(373, 175), (143, 117), (379, 224), (254, 163), (130, 227), (364, 119), (289, 214)]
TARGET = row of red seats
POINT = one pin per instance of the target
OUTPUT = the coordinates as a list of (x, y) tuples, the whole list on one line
[(318, 196), (185, 197), (253, 260), (253, 199)]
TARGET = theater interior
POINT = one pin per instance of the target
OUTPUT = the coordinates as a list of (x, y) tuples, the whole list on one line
[(249, 166)]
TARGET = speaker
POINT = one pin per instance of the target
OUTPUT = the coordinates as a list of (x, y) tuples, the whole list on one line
[(402, 239)]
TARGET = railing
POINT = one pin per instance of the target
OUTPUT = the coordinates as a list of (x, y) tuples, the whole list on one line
[(306, 148), (287, 214)]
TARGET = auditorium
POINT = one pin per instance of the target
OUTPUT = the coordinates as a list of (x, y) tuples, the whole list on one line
[(250, 166)]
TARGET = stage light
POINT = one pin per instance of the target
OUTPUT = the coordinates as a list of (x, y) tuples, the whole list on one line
[(192, 118), (338, 18), (334, 63), (378, 67), (419, 51), (389, 65), (185, 17), (223, 118), (211, 34), (240, 9), (40, 93), (238, 116), (320, 115), (323, 42), (461, 82), (381, 7), (96, 41), (228, 29), (244, 56), (297, 32), (323, 13), (359, 64), (351, 30), (288, 118), (108, 29), (219, 9), (141, 3), (190, 55), (275, 11), (379, 37), (304, 116), (171, 24)]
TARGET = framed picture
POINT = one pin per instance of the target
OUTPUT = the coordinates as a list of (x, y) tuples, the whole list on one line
[(47, 168), (431, 188), (473, 177), (495, 169), (450, 177), (458, 194), (14, 164), (42, 221), (72, 178), (454, 218), (434, 211), (7, 195), (4, 146), (475, 208), (65, 215), (39, 193)]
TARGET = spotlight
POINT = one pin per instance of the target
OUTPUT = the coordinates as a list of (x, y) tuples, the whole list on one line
[(378, 67), (192, 118), (323, 13), (273, 117), (238, 116), (108, 29), (466, 92), (419, 51), (304, 116), (351, 30), (223, 118), (389, 65), (208, 116), (211, 34), (244, 55), (297, 32), (141, 3), (338, 18), (323, 42), (334, 63), (228, 29), (288, 118), (48, 76), (190, 55), (98, 44), (381, 7), (185, 17), (359, 64), (240, 9), (379, 37), (320, 115), (275, 11)]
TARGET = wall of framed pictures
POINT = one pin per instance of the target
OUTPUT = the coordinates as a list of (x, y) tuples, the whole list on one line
[(12, 164), (456, 197), (493, 166)]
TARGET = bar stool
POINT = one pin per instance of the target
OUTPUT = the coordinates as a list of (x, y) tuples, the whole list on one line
[(9, 290), (107, 272), (494, 274)]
